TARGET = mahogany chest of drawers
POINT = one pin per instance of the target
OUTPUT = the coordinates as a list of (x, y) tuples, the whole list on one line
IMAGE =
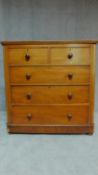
[(50, 86)]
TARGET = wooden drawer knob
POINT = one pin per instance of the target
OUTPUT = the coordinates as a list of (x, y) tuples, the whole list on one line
[(70, 76), (28, 76), (69, 96), (70, 56), (27, 57), (29, 116), (29, 96), (69, 116)]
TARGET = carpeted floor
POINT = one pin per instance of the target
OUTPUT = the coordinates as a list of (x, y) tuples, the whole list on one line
[(48, 154)]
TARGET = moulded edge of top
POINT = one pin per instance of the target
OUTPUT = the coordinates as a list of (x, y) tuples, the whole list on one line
[(49, 42)]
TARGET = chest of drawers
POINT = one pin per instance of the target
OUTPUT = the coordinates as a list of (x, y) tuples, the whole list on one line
[(50, 86)]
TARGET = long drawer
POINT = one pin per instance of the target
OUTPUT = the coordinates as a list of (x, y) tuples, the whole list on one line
[(50, 115), (49, 75), (49, 94)]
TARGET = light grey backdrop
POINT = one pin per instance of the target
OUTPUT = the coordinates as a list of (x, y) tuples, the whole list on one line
[(47, 20)]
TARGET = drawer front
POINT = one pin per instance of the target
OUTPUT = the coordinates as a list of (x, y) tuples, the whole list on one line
[(28, 56), (49, 94), (70, 56), (49, 75), (53, 115)]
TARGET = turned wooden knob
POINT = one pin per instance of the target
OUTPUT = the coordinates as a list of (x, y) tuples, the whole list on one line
[(70, 56), (28, 76), (70, 75), (27, 57), (69, 116), (29, 116), (69, 96), (29, 96)]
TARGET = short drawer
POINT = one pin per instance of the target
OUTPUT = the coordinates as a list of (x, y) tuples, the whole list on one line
[(49, 75), (49, 94), (19, 56), (70, 56), (50, 115)]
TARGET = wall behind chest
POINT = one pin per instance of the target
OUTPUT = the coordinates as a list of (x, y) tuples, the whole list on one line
[(46, 20)]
